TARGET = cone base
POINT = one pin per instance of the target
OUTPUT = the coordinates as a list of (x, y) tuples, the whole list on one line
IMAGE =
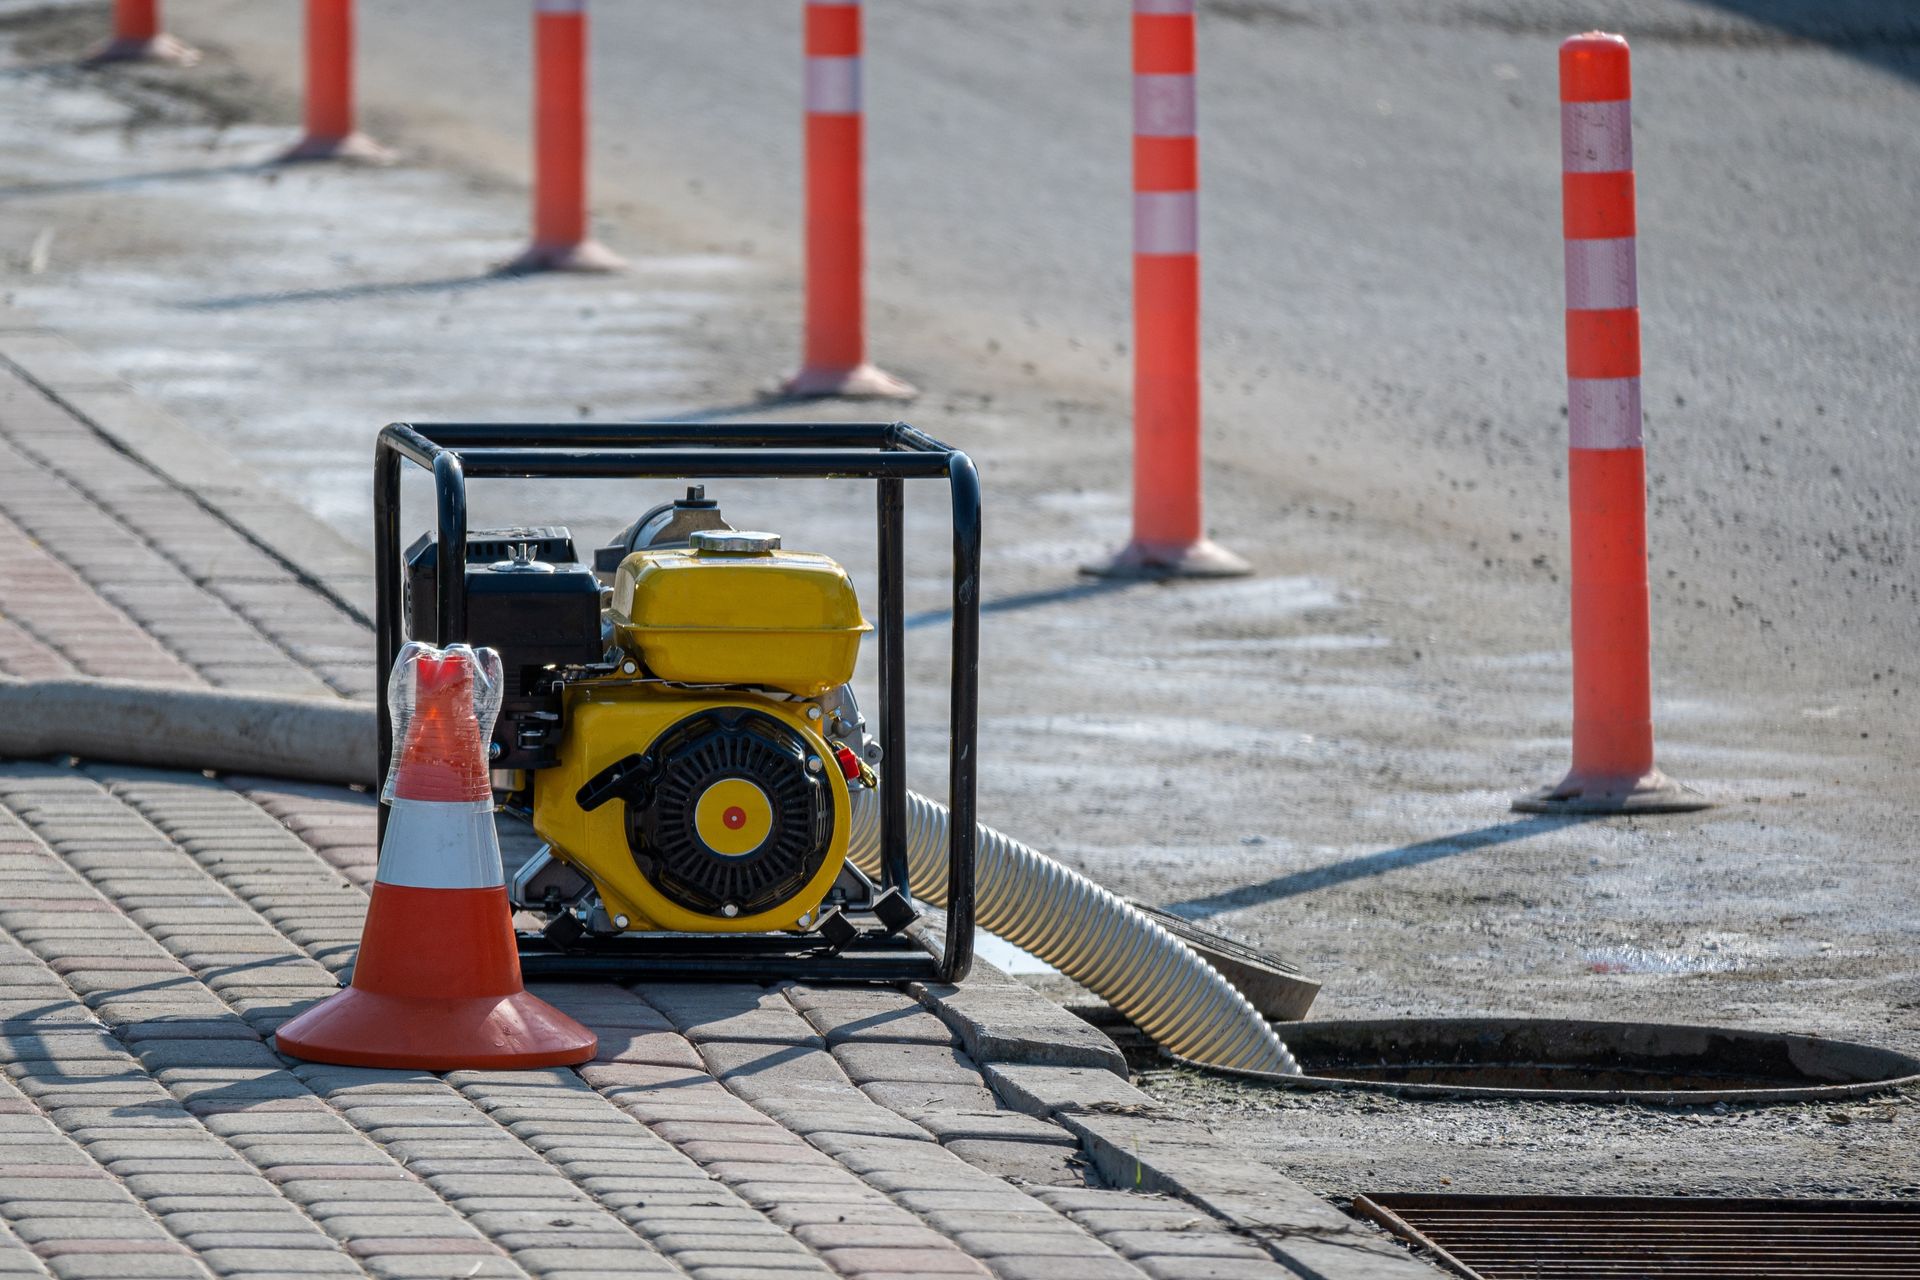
[(586, 257), (1601, 794), (364, 1029), (161, 48), (860, 382), (1202, 559), (354, 148)]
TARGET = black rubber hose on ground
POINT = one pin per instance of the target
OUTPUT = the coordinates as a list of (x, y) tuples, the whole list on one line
[(182, 727)]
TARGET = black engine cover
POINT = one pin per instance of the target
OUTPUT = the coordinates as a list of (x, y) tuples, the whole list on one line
[(534, 621), (713, 747)]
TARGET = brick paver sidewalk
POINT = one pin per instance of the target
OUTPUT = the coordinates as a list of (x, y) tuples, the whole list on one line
[(156, 927), (109, 569)]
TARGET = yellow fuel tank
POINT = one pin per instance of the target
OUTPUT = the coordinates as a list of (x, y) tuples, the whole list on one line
[(735, 609)]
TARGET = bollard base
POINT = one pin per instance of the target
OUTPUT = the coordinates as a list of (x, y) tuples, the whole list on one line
[(1202, 559), (353, 148), (860, 382), (161, 48), (1602, 794), (587, 257)]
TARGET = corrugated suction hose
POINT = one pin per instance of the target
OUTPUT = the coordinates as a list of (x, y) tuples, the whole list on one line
[(1089, 935)]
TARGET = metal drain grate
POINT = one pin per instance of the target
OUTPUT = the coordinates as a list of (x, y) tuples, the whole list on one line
[(1657, 1238)]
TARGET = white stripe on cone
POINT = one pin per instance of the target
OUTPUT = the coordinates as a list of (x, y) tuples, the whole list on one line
[(1603, 413), (438, 844)]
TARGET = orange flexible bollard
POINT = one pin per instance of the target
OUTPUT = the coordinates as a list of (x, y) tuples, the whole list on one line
[(834, 360), (331, 131), (436, 986), (1613, 766), (137, 37), (1169, 536), (560, 235)]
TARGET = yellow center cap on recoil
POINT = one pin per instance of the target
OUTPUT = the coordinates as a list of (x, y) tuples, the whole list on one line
[(733, 817)]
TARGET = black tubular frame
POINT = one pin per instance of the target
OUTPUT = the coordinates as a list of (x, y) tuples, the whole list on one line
[(887, 453)]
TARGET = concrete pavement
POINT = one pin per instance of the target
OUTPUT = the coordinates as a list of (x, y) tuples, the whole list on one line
[(108, 568)]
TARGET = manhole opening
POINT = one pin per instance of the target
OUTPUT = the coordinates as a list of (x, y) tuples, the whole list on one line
[(1655, 1238), (1587, 1061), (1551, 1059)]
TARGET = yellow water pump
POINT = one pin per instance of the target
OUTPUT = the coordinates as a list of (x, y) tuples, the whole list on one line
[(701, 785), (679, 726)]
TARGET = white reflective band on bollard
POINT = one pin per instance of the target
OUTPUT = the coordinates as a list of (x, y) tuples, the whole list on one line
[(1166, 222), (438, 844), (1596, 137), (833, 86), (1163, 106), (1603, 413), (560, 6), (1601, 275)]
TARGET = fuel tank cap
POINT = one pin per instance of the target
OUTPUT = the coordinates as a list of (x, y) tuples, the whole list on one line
[(523, 559), (738, 542)]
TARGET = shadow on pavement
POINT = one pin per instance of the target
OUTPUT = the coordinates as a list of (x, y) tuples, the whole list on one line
[(129, 181), (767, 403), (1372, 864), (1881, 33), (1029, 600), (345, 293)]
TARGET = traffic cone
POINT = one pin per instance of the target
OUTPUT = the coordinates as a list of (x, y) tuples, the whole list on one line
[(437, 983)]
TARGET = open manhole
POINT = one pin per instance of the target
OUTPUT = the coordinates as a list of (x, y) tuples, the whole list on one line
[(1548, 1059), (1656, 1237)]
